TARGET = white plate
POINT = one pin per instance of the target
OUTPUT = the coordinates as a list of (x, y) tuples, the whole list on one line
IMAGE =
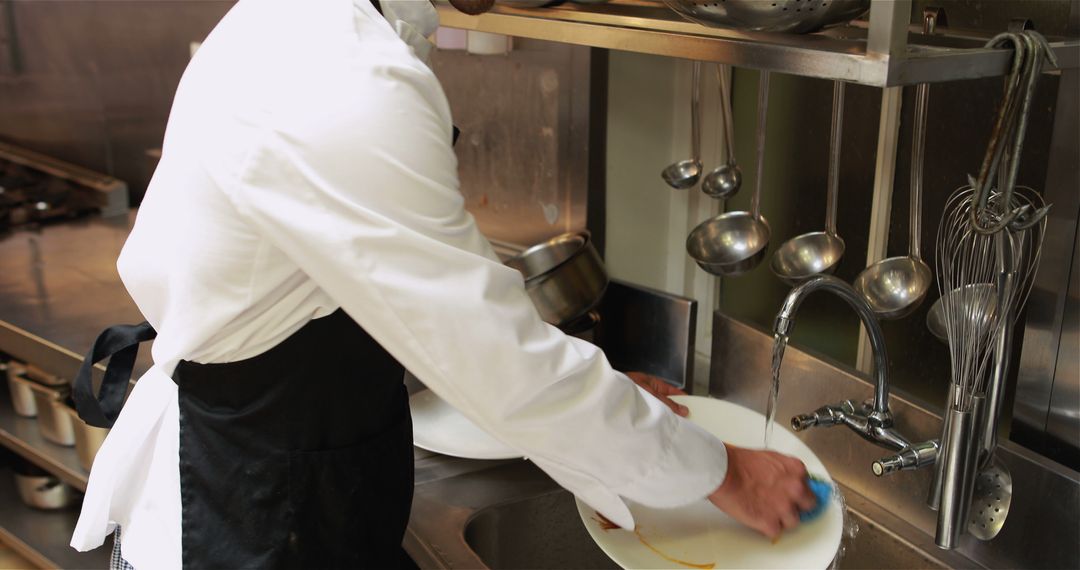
[(701, 534), (440, 427)]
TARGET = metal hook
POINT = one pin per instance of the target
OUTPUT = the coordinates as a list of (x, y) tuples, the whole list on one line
[(1030, 51)]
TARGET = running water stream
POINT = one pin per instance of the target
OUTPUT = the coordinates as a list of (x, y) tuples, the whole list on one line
[(779, 345), (850, 526)]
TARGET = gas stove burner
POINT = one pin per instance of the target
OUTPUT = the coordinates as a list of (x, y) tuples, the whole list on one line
[(36, 189)]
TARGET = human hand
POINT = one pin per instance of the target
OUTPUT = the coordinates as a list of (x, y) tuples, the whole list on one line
[(764, 490), (661, 390)]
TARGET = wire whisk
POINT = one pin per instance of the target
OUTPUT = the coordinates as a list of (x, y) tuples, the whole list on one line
[(975, 299)]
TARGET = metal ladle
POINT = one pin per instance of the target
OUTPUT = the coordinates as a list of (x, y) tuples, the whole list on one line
[(685, 173), (804, 256), (979, 306), (725, 180), (896, 286), (735, 242)]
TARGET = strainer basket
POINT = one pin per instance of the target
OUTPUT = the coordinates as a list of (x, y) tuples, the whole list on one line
[(791, 16)]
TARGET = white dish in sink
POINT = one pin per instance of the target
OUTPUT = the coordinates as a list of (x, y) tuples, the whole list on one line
[(700, 534)]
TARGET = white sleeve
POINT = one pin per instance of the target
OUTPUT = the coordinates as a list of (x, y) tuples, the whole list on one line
[(362, 193)]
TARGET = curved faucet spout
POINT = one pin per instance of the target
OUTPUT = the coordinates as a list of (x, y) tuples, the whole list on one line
[(785, 320)]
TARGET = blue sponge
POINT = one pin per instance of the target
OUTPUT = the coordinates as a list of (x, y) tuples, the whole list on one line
[(823, 490)]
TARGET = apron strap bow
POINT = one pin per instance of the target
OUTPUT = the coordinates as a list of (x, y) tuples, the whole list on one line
[(121, 342)]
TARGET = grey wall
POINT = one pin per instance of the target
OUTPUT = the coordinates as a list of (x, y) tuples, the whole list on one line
[(91, 82)]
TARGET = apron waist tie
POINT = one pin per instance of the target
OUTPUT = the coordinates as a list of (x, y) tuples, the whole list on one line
[(121, 343)]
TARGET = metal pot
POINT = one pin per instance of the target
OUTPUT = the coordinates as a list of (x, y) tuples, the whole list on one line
[(22, 396), (564, 277), (43, 491), (55, 425), (88, 438)]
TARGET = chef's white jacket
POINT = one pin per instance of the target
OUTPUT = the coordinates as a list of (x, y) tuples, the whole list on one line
[(307, 165)]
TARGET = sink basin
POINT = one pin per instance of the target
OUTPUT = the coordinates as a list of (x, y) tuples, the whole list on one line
[(512, 515), (540, 532), (876, 547), (546, 532)]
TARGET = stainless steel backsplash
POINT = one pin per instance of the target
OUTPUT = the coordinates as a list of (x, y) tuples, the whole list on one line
[(524, 150), (92, 82)]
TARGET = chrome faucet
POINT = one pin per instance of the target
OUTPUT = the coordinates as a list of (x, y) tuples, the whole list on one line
[(872, 419)]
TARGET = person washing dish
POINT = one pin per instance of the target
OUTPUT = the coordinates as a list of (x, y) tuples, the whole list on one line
[(302, 242)]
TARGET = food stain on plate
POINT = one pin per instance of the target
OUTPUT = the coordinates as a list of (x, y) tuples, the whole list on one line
[(604, 523), (607, 525)]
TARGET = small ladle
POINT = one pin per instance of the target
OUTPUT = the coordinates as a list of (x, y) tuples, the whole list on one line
[(896, 286), (725, 180), (735, 242), (685, 173), (804, 256)]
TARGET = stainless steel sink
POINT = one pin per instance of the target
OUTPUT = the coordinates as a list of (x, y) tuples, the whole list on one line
[(540, 532), (513, 516), (874, 546)]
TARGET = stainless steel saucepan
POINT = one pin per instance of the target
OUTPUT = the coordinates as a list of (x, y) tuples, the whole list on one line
[(41, 490), (564, 277), (88, 438)]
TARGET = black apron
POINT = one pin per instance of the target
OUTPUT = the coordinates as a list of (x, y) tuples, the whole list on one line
[(300, 457)]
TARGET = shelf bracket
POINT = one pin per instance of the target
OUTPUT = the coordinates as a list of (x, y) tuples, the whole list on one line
[(889, 23)]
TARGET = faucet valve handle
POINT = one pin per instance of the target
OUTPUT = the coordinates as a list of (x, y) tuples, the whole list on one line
[(912, 457), (824, 416)]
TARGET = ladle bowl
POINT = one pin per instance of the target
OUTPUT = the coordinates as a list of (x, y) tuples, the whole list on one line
[(804, 256), (896, 286), (683, 174), (723, 182), (729, 244), (977, 305)]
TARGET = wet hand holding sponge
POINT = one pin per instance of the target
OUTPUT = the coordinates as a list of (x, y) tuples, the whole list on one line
[(823, 491)]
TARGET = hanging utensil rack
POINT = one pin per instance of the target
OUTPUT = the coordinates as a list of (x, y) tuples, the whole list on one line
[(885, 50)]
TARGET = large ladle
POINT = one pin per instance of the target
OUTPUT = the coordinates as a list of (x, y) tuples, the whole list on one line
[(896, 286), (725, 180), (735, 242), (685, 173), (804, 256)]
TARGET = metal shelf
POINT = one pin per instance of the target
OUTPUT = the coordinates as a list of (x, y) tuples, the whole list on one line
[(42, 536), (875, 53), (22, 436)]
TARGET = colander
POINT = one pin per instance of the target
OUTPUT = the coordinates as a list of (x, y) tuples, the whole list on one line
[(792, 16)]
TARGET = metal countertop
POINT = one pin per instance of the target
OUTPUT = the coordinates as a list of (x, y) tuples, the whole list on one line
[(59, 283)]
